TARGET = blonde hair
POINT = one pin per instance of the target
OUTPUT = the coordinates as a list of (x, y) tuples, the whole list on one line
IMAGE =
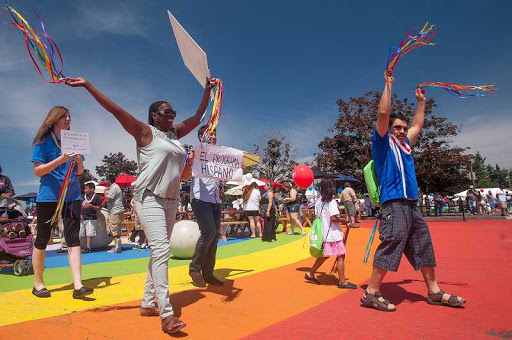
[(53, 116)]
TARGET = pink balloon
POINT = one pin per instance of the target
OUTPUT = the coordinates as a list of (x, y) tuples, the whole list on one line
[(303, 175)]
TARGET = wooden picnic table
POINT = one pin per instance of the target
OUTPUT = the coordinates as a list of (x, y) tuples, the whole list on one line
[(231, 218)]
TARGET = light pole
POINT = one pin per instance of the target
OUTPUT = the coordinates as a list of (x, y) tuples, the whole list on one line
[(471, 174)]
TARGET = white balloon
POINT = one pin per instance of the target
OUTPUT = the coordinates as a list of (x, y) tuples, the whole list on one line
[(184, 238)]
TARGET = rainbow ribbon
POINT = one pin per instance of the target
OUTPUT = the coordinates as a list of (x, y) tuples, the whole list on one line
[(370, 242), (458, 90), (42, 51), (213, 121), (63, 191), (216, 107), (411, 42)]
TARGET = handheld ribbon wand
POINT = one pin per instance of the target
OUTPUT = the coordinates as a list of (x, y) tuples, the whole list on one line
[(459, 90), (41, 51)]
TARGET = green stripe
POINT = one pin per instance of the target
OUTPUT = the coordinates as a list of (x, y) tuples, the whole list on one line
[(53, 276)]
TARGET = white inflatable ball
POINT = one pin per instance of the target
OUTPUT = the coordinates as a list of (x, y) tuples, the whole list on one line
[(184, 238), (101, 240)]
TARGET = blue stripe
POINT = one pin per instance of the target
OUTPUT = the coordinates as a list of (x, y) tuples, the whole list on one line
[(57, 260)]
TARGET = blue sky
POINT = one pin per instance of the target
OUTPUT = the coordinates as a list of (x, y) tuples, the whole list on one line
[(284, 64)]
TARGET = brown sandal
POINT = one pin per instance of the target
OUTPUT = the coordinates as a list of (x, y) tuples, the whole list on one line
[(376, 301), (172, 324), (437, 299)]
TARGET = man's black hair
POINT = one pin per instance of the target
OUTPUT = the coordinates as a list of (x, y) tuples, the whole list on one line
[(90, 185), (397, 116), (111, 178)]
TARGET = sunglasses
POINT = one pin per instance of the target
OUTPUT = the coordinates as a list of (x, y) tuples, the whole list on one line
[(399, 128), (167, 112)]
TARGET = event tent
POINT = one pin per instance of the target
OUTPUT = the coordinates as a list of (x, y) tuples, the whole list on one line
[(485, 191)]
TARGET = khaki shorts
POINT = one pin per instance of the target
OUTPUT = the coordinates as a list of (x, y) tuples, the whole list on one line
[(114, 224), (350, 208)]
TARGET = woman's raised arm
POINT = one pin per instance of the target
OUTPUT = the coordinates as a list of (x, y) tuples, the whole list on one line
[(139, 130)]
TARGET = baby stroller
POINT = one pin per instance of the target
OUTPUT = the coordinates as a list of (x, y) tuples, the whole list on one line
[(16, 240)]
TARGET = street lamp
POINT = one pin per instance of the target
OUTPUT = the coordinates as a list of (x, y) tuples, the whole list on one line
[(471, 173)]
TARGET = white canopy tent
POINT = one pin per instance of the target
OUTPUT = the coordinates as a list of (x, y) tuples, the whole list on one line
[(484, 192)]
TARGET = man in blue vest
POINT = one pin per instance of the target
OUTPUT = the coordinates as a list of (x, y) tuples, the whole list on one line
[(402, 228)]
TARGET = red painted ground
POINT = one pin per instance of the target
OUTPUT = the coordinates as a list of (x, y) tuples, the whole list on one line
[(474, 260)]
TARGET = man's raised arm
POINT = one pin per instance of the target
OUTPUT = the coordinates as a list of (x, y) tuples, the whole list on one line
[(385, 104), (419, 117)]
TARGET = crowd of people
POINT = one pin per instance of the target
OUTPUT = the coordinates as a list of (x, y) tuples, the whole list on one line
[(163, 164)]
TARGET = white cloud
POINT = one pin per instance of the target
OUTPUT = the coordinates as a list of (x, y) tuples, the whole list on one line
[(489, 135), (118, 19)]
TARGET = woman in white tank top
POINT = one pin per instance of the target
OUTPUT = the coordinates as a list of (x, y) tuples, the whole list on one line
[(161, 160)]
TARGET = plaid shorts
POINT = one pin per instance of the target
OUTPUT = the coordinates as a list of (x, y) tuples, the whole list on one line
[(403, 230)]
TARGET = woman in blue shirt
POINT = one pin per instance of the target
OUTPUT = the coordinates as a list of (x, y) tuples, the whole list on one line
[(51, 165)]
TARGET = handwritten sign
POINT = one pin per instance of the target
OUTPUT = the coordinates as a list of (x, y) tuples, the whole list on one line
[(220, 162), (74, 141)]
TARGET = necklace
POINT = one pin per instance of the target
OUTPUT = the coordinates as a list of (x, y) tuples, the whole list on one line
[(90, 200)]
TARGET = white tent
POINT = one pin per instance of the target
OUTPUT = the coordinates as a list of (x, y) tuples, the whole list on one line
[(484, 192)]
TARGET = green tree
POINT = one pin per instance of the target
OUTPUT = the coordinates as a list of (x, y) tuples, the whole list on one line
[(480, 169), (276, 163), (439, 165), (116, 164), (86, 176)]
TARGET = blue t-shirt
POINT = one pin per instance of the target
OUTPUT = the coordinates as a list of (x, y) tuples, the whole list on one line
[(51, 183), (395, 169)]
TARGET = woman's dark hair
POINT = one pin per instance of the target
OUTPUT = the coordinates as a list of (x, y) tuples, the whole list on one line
[(111, 178), (201, 130), (288, 185), (327, 190), (248, 192), (152, 108)]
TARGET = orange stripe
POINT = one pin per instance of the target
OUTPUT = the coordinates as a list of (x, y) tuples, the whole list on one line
[(238, 309)]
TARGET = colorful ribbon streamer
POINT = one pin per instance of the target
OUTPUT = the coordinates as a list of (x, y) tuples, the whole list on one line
[(458, 90), (42, 51), (411, 42), (213, 121), (370, 242), (63, 191), (216, 104)]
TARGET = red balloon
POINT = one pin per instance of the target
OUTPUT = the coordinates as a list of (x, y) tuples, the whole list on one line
[(303, 176)]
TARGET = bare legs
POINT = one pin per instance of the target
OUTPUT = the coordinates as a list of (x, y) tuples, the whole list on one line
[(340, 260), (75, 263), (255, 226), (294, 221), (38, 264)]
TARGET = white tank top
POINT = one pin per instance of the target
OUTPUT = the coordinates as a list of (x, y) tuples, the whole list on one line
[(160, 166)]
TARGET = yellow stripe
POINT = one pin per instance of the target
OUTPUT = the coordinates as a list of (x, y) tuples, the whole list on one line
[(23, 306)]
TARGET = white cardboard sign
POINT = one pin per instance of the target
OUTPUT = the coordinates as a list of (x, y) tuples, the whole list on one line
[(220, 162), (75, 142), (193, 56)]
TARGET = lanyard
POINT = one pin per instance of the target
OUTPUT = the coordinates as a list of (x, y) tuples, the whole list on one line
[(55, 140)]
